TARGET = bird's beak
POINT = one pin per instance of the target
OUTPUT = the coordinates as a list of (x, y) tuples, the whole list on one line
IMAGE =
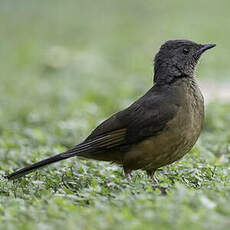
[(204, 48)]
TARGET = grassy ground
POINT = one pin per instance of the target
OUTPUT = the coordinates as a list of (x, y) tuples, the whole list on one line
[(67, 65)]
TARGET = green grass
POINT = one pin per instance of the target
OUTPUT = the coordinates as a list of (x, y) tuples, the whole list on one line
[(66, 66)]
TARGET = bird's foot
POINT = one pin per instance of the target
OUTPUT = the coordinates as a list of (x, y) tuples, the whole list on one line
[(151, 175), (154, 180), (127, 173), (156, 183)]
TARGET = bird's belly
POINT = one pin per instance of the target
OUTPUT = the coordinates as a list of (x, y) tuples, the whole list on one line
[(171, 144)]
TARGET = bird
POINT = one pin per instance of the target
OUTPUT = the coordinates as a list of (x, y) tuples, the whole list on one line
[(157, 129)]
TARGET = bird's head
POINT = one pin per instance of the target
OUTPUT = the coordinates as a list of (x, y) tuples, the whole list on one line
[(177, 58)]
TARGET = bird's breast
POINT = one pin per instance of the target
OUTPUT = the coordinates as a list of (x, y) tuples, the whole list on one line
[(178, 136)]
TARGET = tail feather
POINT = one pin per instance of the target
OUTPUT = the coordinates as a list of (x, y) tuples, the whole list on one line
[(86, 149), (67, 154)]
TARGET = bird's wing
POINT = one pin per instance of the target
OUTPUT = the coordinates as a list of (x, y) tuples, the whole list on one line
[(145, 118)]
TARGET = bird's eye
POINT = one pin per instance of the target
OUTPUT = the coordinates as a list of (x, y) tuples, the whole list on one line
[(185, 50)]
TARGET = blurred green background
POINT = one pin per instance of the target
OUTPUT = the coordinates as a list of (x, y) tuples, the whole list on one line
[(66, 66)]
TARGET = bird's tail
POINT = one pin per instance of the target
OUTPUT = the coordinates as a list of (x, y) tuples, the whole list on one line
[(86, 149), (78, 150)]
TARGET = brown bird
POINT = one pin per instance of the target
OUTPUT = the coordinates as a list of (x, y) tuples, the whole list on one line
[(157, 129)]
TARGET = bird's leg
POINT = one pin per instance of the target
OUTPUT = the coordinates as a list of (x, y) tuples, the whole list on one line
[(127, 173), (150, 173)]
